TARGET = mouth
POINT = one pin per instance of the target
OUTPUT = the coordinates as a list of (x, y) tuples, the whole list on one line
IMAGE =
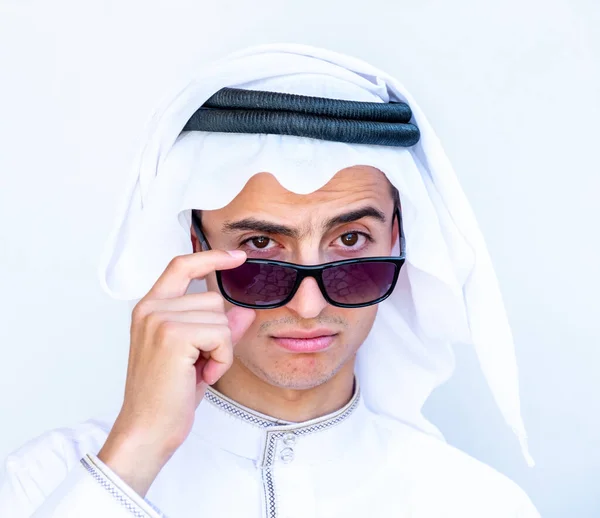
[(305, 341)]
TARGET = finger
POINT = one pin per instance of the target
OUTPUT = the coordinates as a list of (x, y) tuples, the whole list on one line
[(200, 386), (207, 301), (212, 338), (213, 372), (218, 345), (192, 317), (211, 369), (240, 319), (176, 278), (211, 345)]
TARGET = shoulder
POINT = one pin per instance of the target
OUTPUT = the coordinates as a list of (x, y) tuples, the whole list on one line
[(448, 478)]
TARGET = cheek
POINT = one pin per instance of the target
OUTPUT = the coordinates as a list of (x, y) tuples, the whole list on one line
[(362, 317), (359, 323)]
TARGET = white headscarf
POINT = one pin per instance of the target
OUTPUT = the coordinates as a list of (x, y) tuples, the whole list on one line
[(447, 292)]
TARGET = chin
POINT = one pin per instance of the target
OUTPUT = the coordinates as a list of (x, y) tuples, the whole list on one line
[(303, 372)]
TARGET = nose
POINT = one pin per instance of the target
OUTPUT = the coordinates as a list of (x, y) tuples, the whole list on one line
[(308, 302)]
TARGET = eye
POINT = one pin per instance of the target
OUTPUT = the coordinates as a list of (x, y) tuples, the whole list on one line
[(259, 242), (349, 239), (355, 240)]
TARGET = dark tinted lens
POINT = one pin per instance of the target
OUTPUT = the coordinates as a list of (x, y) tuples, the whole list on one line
[(258, 284), (359, 283)]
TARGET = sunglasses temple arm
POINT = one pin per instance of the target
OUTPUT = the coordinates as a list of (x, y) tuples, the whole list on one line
[(199, 234), (401, 232)]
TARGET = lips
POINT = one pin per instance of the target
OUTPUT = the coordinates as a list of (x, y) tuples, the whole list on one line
[(305, 341), (305, 334)]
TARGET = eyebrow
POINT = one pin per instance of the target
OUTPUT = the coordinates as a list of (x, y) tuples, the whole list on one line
[(256, 225), (355, 215), (267, 227)]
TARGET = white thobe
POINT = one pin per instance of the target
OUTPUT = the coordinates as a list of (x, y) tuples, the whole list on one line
[(239, 463)]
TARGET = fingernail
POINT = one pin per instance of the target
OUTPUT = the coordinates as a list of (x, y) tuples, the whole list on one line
[(238, 254)]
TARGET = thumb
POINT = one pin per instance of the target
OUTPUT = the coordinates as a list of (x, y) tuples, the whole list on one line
[(240, 320)]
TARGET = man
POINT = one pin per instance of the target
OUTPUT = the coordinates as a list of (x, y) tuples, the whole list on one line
[(341, 260)]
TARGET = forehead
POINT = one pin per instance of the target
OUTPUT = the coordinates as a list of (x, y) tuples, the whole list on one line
[(349, 187)]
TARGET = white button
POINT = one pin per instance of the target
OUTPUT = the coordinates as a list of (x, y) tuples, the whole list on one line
[(289, 439), (287, 455)]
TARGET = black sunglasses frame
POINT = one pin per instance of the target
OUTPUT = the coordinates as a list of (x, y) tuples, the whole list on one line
[(314, 271)]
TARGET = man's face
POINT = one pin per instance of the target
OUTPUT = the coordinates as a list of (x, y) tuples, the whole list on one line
[(269, 222)]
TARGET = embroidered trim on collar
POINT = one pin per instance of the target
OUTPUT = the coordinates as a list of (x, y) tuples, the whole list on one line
[(264, 421)]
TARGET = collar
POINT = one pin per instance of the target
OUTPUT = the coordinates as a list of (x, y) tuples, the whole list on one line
[(265, 440)]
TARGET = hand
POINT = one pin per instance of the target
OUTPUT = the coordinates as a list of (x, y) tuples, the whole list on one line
[(179, 344)]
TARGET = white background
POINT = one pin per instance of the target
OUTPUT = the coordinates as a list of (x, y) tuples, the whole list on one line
[(512, 88)]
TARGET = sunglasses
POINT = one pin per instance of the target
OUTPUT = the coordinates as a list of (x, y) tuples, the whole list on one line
[(266, 284)]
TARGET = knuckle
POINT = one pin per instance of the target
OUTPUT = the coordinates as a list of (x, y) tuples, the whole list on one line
[(214, 300), (154, 320), (229, 359), (221, 319), (229, 355), (223, 336), (226, 352), (141, 310), (166, 331), (219, 337), (178, 263)]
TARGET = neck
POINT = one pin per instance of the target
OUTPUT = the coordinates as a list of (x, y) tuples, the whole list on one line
[(288, 404)]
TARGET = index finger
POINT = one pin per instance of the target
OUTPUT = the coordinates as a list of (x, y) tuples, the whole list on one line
[(177, 276)]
